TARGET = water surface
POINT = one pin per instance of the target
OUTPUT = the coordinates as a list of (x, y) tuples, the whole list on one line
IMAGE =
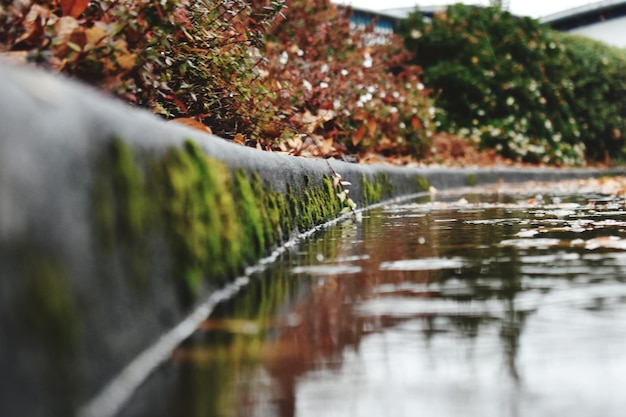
[(461, 304)]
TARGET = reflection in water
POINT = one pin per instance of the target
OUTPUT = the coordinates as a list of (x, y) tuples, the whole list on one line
[(488, 308)]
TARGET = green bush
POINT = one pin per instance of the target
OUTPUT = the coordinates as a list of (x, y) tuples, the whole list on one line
[(598, 73), (519, 87)]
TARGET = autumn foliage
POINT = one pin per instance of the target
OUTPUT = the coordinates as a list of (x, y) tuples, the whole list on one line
[(289, 77)]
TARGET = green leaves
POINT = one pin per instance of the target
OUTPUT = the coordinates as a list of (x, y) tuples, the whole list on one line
[(519, 87)]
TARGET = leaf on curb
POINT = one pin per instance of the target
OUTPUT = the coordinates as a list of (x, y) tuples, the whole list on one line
[(193, 123), (239, 139)]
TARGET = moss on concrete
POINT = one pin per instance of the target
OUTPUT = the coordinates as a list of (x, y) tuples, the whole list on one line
[(376, 190), (422, 184), (122, 211), (215, 222), (471, 180), (50, 310)]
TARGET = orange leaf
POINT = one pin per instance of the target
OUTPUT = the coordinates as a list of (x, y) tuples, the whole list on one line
[(239, 139), (371, 126), (326, 145), (357, 137), (416, 123), (193, 123), (73, 8)]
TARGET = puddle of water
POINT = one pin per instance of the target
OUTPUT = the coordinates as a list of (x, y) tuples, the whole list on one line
[(473, 305)]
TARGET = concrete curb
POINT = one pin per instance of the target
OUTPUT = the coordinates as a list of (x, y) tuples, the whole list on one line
[(73, 313)]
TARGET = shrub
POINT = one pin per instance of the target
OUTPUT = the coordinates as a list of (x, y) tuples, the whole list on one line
[(178, 58), (518, 86), (598, 75), (349, 89), (336, 89)]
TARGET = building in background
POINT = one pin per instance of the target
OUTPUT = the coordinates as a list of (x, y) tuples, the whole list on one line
[(604, 21)]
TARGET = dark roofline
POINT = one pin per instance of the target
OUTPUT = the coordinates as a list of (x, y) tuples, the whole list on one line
[(586, 15)]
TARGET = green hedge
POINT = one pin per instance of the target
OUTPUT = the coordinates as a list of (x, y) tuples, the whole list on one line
[(517, 86)]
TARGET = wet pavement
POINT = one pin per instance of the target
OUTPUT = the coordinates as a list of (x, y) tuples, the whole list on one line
[(507, 301)]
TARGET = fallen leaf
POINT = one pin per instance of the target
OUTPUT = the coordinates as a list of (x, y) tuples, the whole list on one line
[(239, 139), (357, 136), (326, 145), (73, 8), (33, 22), (193, 123), (371, 126)]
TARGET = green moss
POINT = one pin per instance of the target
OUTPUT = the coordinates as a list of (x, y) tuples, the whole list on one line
[(250, 213), (121, 206), (471, 180), (50, 310), (199, 215), (375, 191), (214, 222), (422, 184), (120, 202)]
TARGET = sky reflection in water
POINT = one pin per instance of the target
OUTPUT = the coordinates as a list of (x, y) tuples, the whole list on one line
[(444, 308)]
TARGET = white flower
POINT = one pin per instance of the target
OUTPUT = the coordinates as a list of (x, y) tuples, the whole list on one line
[(364, 98), (324, 68), (367, 60), (420, 86), (323, 85), (300, 52), (284, 57), (416, 34), (344, 72), (307, 85), (510, 101), (548, 124)]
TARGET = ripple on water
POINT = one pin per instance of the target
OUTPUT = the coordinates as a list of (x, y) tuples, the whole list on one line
[(424, 264), (320, 270)]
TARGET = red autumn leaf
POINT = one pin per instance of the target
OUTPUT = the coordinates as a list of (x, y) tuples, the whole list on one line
[(73, 8)]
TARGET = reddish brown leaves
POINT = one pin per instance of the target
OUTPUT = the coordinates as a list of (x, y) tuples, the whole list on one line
[(73, 8)]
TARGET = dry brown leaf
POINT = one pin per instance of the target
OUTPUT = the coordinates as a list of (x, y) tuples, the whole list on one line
[(73, 8), (94, 35), (65, 27), (33, 22), (239, 139), (371, 126), (193, 123), (326, 145), (357, 136)]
